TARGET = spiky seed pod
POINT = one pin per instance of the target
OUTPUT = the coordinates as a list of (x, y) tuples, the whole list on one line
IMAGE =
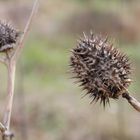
[(8, 37), (101, 70)]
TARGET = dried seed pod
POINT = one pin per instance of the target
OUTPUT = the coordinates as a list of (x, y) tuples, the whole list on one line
[(8, 36), (103, 71)]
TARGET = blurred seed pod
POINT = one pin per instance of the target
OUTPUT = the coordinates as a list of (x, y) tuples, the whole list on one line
[(8, 36), (102, 70)]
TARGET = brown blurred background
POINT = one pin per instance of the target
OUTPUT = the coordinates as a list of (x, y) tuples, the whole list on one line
[(47, 103)]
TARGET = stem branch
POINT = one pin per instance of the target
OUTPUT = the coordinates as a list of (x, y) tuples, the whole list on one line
[(26, 29), (11, 66), (133, 102)]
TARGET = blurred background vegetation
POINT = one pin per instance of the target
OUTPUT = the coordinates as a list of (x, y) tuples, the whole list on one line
[(47, 103)]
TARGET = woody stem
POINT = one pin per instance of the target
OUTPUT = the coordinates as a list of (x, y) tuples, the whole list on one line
[(132, 101)]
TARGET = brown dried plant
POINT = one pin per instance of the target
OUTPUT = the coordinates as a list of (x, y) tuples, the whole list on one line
[(11, 44), (102, 70)]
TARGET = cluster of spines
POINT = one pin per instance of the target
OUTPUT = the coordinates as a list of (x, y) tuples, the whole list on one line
[(102, 70), (8, 36)]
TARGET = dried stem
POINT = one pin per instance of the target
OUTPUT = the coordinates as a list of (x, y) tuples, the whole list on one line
[(2, 127), (10, 62), (11, 66), (26, 29), (133, 102)]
